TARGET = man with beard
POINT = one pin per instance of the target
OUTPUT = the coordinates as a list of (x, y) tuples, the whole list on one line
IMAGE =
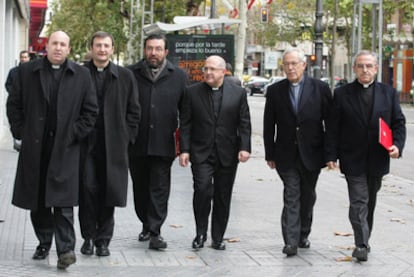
[(161, 87), (105, 178)]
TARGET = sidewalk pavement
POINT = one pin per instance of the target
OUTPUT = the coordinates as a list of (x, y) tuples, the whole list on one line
[(254, 246)]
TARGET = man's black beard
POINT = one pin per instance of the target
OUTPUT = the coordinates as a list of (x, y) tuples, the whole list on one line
[(154, 66)]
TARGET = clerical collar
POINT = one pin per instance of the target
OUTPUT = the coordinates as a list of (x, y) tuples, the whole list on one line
[(100, 69), (55, 66), (366, 85), (215, 88), (297, 83)]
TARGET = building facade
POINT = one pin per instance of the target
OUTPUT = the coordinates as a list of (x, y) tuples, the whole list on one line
[(14, 37)]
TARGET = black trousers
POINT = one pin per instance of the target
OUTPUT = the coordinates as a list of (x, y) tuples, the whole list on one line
[(95, 218), (49, 221), (362, 191), (151, 179), (213, 185), (299, 197), (54, 221)]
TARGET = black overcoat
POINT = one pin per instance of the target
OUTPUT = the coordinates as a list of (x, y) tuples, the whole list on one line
[(160, 102), (76, 115), (121, 120)]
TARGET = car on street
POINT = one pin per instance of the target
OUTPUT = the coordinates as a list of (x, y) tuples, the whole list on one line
[(256, 85), (272, 80), (338, 81)]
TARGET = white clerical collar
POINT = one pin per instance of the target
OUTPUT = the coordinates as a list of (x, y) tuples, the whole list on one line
[(366, 85), (215, 88), (55, 66), (100, 69)]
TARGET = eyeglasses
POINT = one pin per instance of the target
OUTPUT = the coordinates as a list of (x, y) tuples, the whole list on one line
[(157, 49), (211, 69), (293, 64), (367, 66)]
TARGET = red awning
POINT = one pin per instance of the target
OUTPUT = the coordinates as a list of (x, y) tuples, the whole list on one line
[(37, 18), (38, 4)]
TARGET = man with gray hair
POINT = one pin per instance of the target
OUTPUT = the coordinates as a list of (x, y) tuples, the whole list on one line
[(297, 108), (353, 140)]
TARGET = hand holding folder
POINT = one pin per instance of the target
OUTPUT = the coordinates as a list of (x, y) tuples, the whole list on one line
[(385, 134)]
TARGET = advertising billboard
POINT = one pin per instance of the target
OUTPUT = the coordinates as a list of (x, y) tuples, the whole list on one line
[(190, 51)]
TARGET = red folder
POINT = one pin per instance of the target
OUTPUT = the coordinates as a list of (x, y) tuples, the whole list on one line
[(385, 134), (177, 141)]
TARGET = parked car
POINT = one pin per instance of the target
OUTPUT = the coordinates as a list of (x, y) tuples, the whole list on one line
[(338, 81), (256, 85), (272, 80)]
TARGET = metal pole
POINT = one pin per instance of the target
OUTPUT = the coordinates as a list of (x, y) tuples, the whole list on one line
[(318, 39), (359, 27), (374, 28), (380, 23)]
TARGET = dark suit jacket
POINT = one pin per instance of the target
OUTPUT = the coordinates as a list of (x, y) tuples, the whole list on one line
[(200, 130), (354, 141), (160, 102), (287, 134)]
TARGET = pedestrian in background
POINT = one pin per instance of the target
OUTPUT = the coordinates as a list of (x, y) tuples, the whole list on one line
[(215, 135), (229, 75), (104, 183), (354, 141), (295, 113), (24, 57), (161, 88), (51, 108)]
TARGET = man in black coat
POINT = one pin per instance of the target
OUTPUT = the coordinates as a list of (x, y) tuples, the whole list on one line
[(105, 178), (215, 133), (24, 58), (161, 88), (51, 108), (353, 137), (295, 112)]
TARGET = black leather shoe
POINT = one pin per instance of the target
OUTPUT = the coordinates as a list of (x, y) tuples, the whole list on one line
[(290, 250), (87, 247), (198, 242), (144, 236), (102, 250), (218, 245), (304, 243), (157, 242), (66, 259), (360, 253), (40, 253)]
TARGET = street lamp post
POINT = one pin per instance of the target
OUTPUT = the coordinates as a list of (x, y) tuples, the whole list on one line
[(318, 39)]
